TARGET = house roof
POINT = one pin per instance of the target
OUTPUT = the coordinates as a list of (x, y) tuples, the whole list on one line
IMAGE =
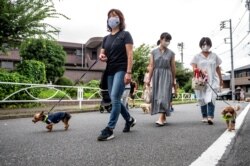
[(94, 42), (70, 45), (240, 68)]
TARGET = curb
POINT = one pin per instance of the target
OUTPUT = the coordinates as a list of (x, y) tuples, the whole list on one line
[(26, 113)]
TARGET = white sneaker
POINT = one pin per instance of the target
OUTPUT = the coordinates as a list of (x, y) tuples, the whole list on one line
[(204, 120)]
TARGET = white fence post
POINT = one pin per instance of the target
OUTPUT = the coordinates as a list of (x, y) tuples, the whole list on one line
[(80, 96)]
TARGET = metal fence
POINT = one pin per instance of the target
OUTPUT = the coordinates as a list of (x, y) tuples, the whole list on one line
[(67, 97)]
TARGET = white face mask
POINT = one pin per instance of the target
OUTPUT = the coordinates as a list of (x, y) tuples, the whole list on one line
[(165, 44), (205, 48)]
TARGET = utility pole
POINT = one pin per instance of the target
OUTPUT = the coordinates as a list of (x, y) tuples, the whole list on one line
[(248, 8), (223, 26), (180, 47)]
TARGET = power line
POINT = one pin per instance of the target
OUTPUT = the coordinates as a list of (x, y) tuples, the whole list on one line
[(236, 44), (241, 40), (240, 21)]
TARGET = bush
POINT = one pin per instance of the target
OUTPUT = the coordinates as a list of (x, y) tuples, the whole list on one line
[(34, 70), (67, 82), (7, 89), (64, 81), (92, 84), (47, 51)]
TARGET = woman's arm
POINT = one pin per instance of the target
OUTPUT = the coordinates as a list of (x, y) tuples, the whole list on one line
[(150, 69), (173, 67), (218, 70), (129, 50), (194, 66)]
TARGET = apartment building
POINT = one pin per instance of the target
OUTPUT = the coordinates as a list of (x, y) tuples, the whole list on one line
[(242, 79), (80, 57)]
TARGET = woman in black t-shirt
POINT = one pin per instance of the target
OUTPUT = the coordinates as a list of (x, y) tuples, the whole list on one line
[(117, 52)]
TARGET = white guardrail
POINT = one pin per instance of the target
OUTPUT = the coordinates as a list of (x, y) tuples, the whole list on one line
[(95, 96)]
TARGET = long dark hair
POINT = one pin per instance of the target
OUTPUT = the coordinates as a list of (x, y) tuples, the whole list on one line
[(121, 17), (165, 36)]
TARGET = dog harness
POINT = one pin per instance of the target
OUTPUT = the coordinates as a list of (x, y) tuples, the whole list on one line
[(46, 120), (54, 118), (232, 118)]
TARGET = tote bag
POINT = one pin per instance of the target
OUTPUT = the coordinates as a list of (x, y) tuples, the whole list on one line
[(147, 94)]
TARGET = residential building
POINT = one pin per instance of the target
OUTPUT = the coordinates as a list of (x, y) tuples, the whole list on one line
[(242, 79), (79, 59)]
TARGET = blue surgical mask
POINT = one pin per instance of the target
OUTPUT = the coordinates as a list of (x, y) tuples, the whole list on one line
[(113, 22)]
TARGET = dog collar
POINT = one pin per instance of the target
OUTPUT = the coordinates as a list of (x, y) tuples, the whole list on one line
[(227, 118)]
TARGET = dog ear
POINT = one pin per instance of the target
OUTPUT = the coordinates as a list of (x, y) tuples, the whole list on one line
[(237, 108), (223, 111), (42, 113)]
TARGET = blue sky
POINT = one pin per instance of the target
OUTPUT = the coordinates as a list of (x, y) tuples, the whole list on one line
[(186, 20)]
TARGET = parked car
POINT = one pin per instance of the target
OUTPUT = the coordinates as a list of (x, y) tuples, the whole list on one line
[(226, 95)]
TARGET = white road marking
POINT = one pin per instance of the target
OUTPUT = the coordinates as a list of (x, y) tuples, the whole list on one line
[(213, 154)]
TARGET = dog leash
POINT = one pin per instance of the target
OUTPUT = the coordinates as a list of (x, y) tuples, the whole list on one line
[(217, 94), (71, 87)]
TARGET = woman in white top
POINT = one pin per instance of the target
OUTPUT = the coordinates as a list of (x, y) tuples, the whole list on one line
[(208, 62), (242, 94)]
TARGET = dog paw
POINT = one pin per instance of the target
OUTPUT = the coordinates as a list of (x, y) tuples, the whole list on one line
[(66, 127)]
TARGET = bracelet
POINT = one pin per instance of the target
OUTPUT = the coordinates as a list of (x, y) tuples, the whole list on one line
[(129, 73)]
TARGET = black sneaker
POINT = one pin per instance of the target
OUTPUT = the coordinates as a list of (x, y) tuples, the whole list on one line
[(129, 124), (106, 135)]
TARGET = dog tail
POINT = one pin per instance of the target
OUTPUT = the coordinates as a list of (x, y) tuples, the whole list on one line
[(237, 107)]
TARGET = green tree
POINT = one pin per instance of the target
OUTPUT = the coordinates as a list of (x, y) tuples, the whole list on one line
[(183, 76), (22, 19), (47, 51), (34, 70), (140, 62)]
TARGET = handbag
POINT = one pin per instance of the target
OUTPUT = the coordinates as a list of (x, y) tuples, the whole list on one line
[(147, 94), (199, 80)]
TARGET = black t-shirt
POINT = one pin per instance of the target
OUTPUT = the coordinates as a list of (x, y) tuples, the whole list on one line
[(115, 51)]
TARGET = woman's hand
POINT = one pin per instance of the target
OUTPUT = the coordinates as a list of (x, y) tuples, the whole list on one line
[(175, 89), (148, 82), (127, 78), (103, 57)]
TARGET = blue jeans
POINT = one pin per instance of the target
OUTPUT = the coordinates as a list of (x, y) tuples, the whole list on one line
[(208, 110), (116, 87)]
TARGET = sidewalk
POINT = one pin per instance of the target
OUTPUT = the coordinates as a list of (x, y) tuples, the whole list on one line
[(29, 112)]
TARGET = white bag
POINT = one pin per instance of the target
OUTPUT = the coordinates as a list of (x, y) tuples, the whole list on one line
[(198, 84), (147, 94)]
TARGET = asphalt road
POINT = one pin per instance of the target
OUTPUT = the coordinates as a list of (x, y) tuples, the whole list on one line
[(23, 143)]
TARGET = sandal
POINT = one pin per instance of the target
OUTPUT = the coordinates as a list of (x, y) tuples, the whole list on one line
[(158, 123)]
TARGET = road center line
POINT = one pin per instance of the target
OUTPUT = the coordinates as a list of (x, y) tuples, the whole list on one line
[(213, 154)]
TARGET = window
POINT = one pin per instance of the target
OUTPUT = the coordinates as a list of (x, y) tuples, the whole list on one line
[(7, 65), (78, 52), (94, 55)]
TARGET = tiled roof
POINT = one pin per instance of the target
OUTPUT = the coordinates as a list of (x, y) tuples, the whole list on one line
[(241, 68)]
